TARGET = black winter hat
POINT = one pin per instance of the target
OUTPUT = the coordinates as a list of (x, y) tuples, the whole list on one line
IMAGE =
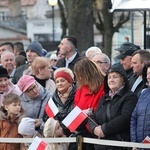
[(3, 72), (36, 47), (116, 68)]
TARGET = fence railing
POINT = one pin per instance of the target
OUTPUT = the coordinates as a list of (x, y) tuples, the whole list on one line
[(79, 140)]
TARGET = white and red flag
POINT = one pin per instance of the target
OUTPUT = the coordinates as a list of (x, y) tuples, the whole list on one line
[(51, 109), (146, 140), (37, 144), (74, 119)]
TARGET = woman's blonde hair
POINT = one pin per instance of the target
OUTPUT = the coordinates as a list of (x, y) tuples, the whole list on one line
[(88, 74), (39, 63)]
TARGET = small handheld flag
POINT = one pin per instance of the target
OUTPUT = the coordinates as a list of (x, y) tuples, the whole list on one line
[(51, 109), (74, 119), (37, 144)]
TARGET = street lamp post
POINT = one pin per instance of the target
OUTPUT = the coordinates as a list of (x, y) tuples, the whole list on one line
[(53, 3)]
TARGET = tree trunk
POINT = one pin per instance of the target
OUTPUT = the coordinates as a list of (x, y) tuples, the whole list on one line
[(80, 22), (108, 29), (108, 42), (63, 19)]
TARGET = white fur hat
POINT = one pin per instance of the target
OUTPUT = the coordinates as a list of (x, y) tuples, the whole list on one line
[(27, 126), (53, 56), (49, 127)]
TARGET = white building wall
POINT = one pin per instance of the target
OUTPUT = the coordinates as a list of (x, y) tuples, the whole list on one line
[(5, 33), (37, 23)]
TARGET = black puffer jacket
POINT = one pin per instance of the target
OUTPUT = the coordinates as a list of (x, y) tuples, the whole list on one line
[(64, 109), (115, 122)]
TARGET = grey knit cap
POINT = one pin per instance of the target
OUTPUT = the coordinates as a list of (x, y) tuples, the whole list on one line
[(36, 47)]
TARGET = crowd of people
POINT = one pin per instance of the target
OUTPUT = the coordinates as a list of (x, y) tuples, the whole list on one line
[(115, 97)]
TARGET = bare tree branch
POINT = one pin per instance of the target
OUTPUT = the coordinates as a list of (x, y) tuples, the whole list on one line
[(122, 19)]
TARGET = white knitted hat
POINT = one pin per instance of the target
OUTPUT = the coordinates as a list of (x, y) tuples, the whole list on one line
[(27, 126)]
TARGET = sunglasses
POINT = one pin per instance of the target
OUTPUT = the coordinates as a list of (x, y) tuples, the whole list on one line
[(53, 60)]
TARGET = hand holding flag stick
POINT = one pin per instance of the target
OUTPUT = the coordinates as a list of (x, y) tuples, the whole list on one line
[(75, 118)]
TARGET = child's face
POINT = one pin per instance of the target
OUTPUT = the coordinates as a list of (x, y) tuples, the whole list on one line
[(58, 130), (13, 108)]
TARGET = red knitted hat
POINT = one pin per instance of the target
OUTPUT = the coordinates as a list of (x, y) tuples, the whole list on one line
[(64, 75)]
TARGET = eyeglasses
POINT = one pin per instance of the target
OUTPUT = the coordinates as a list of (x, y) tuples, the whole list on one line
[(31, 89), (100, 62)]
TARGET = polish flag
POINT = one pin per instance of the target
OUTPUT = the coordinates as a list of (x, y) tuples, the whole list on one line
[(74, 119), (146, 140), (37, 144), (51, 109)]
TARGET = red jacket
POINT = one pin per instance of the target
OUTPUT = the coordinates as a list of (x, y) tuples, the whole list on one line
[(84, 100)]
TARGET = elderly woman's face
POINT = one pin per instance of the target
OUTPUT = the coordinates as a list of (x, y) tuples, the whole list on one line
[(33, 91), (62, 85), (3, 84), (115, 81)]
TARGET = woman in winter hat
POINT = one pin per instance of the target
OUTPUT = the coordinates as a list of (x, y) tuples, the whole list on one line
[(64, 95), (33, 99), (6, 86)]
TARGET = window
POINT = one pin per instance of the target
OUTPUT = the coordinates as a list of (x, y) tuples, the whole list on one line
[(3, 15)]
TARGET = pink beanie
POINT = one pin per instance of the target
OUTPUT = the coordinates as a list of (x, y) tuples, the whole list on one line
[(25, 82)]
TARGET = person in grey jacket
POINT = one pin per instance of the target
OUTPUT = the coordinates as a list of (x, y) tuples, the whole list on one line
[(33, 99), (111, 120)]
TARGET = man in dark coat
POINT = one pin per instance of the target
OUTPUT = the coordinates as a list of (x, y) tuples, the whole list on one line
[(139, 59), (126, 50), (68, 48)]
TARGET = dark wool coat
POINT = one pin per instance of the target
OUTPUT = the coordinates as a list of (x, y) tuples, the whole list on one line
[(62, 62), (117, 125), (64, 109), (18, 73)]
